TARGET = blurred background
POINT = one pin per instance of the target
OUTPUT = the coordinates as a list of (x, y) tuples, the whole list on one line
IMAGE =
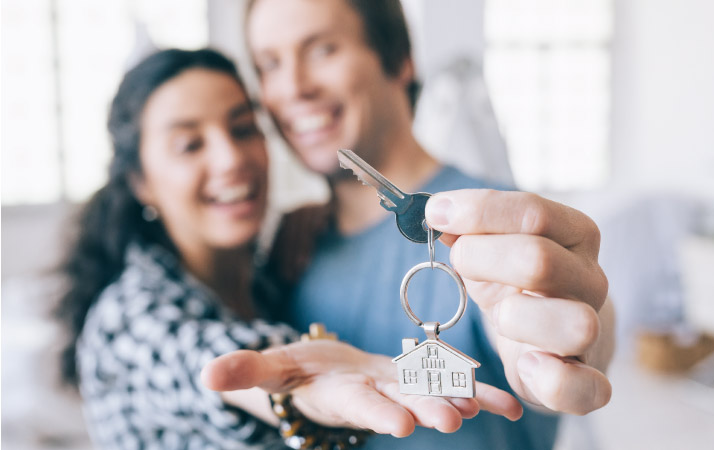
[(604, 105)]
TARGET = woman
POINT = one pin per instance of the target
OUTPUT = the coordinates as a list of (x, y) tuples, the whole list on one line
[(161, 282)]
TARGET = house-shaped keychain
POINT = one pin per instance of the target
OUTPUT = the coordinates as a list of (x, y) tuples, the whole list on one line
[(435, 368)]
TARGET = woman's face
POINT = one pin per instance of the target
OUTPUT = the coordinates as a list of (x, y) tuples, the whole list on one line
[(204, 163)]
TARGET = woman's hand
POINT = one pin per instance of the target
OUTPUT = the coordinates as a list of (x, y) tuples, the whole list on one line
[(335, 384)]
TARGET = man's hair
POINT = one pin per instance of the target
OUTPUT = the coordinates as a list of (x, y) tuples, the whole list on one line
[(386, 31)]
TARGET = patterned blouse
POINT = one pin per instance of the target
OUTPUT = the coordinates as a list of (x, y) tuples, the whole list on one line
[(140, 354)]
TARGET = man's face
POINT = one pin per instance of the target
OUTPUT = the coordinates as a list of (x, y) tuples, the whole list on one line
[(323, 84)]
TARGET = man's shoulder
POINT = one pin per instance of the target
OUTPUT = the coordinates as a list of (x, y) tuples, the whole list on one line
[(452, 178)]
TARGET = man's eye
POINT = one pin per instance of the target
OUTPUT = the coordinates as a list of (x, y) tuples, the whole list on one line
[(264, 65), (245, 131), (323, 49)]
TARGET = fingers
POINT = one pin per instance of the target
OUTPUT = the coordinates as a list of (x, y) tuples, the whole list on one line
[(497, 401), (337, 397), (244, 369), (563, 385), (563, 327), (377, 405), (440, 413), (483, 211), (351, 399), (467, 407), (531, 263)]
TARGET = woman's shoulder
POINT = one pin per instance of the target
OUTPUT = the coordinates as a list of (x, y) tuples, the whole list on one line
[(152, 284)]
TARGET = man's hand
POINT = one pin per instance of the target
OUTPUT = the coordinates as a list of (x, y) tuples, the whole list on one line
[(532, 267), (335, 384)]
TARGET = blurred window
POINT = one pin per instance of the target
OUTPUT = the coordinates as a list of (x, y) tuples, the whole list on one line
[(62, 63), (547, 66)]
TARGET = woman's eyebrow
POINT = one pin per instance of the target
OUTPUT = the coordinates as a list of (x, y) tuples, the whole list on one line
[(188, 123)]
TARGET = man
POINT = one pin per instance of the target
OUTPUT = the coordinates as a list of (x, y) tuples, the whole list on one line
[(339, 74)]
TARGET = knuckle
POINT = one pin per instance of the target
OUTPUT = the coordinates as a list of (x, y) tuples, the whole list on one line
[(506, 313), (539, 261), (585, 329), (535, 217), (602, 289), (480, 216), (457, 254), (552, 389), (602, 394), (594, 233), (598, 287)]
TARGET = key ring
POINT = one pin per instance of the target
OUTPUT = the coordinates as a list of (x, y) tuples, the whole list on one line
[(453, 274), (430, 241)]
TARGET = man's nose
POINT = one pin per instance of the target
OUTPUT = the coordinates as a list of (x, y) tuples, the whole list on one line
[(297, 80)]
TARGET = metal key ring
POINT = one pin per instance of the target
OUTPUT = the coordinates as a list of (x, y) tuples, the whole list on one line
[(453, 274)]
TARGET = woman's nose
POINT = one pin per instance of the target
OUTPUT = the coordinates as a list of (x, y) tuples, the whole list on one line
[(225, 155)]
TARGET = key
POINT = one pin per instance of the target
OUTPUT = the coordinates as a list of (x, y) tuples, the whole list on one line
[(409, 208)]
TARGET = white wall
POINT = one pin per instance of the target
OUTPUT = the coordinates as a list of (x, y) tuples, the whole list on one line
[(443, 30), (663, 96)]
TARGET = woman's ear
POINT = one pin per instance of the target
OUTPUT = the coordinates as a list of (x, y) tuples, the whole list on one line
[(138, 186)]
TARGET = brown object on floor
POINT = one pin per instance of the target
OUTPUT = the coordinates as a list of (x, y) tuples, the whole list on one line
[(666, 352)]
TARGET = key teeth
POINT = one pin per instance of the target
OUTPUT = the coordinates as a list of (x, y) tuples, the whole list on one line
[(356, 174), (386, 203)]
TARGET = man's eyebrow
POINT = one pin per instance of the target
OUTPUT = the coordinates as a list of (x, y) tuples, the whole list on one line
[(242, 109), (311, 39)]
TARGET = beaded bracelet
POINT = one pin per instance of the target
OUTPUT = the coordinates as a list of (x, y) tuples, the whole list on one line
[(298, 432)]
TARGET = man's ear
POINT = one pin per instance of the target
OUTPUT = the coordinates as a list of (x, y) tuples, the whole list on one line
[(407, 73), (138, 186)]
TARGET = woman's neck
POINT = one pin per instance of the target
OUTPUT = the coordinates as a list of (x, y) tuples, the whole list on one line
[(228, 273)]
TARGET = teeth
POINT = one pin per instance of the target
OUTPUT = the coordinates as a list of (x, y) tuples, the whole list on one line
[(311, 123), (233, 194)]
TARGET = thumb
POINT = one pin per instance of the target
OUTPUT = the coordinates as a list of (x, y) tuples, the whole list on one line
[(245, 369)]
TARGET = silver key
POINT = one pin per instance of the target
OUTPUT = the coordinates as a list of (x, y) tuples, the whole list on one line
[(409, 208)]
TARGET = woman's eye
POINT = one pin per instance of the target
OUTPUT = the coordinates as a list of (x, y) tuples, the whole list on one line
[(245, 131), (189, 145)]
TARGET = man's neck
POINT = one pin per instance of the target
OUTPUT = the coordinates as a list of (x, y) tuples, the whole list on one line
[(407, 166)]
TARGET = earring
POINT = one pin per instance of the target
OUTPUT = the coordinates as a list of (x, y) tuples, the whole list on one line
[(150, 213)]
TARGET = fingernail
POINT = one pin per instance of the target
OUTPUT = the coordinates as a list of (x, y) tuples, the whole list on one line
[(438, 210), (527, 365)]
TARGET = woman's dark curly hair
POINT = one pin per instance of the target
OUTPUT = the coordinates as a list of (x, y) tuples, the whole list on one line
[(112, 218)]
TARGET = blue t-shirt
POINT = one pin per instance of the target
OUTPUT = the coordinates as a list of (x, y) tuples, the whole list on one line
[(352, 286)]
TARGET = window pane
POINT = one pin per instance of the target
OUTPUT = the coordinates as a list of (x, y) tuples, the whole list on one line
[(62, 63), (29, 128), (548, 20), (95, 40), (547, 65)]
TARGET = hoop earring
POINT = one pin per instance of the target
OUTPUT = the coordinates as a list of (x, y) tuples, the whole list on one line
[(150, 213)]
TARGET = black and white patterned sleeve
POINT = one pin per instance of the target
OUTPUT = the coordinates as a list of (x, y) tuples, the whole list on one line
[(140, 358)]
